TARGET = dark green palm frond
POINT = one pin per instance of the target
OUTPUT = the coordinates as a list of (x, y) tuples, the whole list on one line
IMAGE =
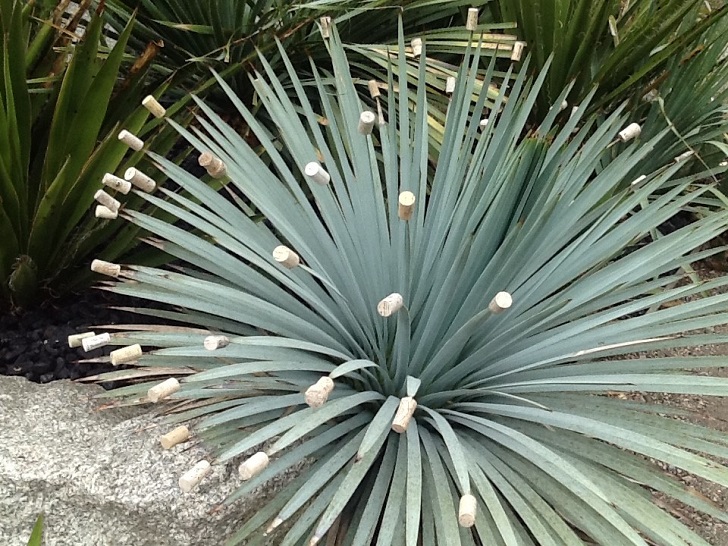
[(498, 309)]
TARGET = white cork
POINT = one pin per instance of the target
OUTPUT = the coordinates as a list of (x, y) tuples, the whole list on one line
[(105, 268), (406, 205), (75, 340), (484, 123), (373, 88), (632, 130), (286, 257), (564, 105), (140, 180), (212, 164), (684, 156), (317, 394), (405, 411), (95, 342), (253, 466), (106, 200), (174, 437), (116, 183), (134, 142), (162, 390), (467, 510), (105, 212), (126, 354), (517, 51), (416, 45), (212, 343), (390, 305), (325, 23), (189, 480), (366, 122), (471, 22), (574, 110), (317, 173), (450, 85), (500, 302), (151, 104), (273, 525)]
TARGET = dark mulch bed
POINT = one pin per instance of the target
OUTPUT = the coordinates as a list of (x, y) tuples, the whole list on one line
[(34, 343)]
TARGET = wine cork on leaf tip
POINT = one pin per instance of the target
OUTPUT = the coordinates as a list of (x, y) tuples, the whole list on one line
[(373, 89), (131, 140), (105, 213), (471, 22), (253, 466), (212, 343), (500, 302), (75, 340), (174, 437), (366, 122), (105, 268), (95, 342), (106, 200), (116, 183), (317, 173), (390, 305), (406, 205), (517, 51), (163, 390), (325, 23), (151, 104), (632, 130), (405, 411), (317, 394), (416, 45), (190, 479), (212, 164), (286, 257), (467, 510), (126, 354), (140, 180)]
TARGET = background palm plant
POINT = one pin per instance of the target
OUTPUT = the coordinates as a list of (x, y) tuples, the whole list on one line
[(624, 47), (61, 108), (510, 407)]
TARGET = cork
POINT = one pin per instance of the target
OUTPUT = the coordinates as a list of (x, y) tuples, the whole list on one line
[(471, 23), (632, 130), (637, 182), (212, 343), (286, 257), (253, 466), (212, 164), (151, 104), (373, 89), (390, 305), (450, 85), (500, 302), (106, 200), (406, 205), (189, 480), (684, 156), (317, 173), (416, 45), (134, 142), (162, 390), (484, 123), (325, 24), (317, 394), (105, 212), (74, 340), (105, 268), (126, 354), (95, 342), (116, 183), (174, 437), (366, 122), (140, 180), (405, 411), (517, 51), (466, 511), (564, 105)]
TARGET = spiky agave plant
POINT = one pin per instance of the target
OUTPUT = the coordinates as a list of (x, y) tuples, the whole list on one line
[(438, 370)]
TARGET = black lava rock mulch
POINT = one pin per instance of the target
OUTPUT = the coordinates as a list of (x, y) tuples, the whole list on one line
[(34, 343)]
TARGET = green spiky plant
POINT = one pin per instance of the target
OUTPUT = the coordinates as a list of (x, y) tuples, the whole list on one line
[(61, 108), (514, 408)]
